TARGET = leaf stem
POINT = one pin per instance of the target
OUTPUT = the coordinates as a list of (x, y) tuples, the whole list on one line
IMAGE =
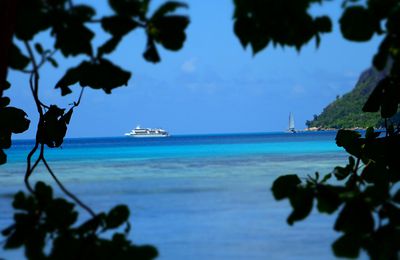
[(34, 86), (62, 187)]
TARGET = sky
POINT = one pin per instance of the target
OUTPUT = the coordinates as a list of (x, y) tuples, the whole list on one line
[(211, 86)]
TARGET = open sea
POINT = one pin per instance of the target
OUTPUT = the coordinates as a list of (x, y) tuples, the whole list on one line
[(193, 196)]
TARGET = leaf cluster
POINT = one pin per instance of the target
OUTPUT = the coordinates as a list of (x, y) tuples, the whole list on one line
[(53, 127), (42, 219), (369, 208), (68, 25), (283, 23), (12, 121)]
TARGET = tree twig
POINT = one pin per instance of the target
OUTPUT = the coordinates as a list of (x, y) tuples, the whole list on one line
[(29, 170), (34, 85), (62, 187)]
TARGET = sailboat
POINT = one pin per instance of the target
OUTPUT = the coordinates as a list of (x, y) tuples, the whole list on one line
[(291, 123)]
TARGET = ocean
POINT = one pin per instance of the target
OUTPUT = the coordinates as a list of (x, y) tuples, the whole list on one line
[(192, 196)]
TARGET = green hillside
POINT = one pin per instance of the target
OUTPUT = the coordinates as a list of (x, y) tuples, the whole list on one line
[(346, 111)]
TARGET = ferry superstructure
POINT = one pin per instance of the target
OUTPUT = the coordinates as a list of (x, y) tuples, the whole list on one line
[(147, 132)]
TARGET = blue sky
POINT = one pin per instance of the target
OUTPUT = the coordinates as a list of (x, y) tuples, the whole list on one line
[(211, 86)]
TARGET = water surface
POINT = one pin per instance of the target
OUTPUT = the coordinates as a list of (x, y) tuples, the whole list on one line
[(197, 197)]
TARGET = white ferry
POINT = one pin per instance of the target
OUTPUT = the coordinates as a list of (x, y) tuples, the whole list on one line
[(147, 132)]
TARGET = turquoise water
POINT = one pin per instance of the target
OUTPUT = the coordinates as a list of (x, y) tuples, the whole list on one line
[(197, 197)]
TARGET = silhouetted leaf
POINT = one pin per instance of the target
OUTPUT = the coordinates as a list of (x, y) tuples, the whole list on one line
[(151, 53), (242, 30), (108, 46), (341, 173), (169, 31), (15, 240), (390, 99), (350, 141), (347, 245), (381, 8), (118, 25), (383, 243), (92, 224), (3, 157), (100, 75), (23, 202), (393, 21), (284, 185), (376, 97), (4, 101), (71, 77), (34, 244), (5, 139), (4, 85), (357, 24), (17, 60), (130, 7), (380, 60), (7, 231), (376, 195), (346, 137), (67, 116), (375, 173), (302, 203), (43, 193), (142, 252), (32, 18), (73, 38), (392, 212), (370, 134), (168, 7), (39, 48), (355, 217), (259, 40), (323, 24), (53, 62), (67, 247), (328, 198), (396, 197), (104, 75), (326, 178), (57, 3), (60, 214), (13, 120), (83, 13), (117, 216), (54, 127)]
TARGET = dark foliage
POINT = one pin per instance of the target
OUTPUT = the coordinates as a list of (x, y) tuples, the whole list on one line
[(370, 208), (101, 74), (368, 198), (16, 123), (283, 23), (40, 219)]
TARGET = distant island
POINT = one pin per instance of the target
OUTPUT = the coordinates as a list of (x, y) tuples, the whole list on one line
[(346, 111)]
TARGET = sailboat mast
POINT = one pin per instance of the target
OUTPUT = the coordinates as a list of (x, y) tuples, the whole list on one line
[(291, 122)]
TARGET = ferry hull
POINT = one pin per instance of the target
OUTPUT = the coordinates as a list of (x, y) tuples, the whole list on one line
[(145, 136)]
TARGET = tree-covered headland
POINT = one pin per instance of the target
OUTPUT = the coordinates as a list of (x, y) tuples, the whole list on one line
[(346, 111)]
